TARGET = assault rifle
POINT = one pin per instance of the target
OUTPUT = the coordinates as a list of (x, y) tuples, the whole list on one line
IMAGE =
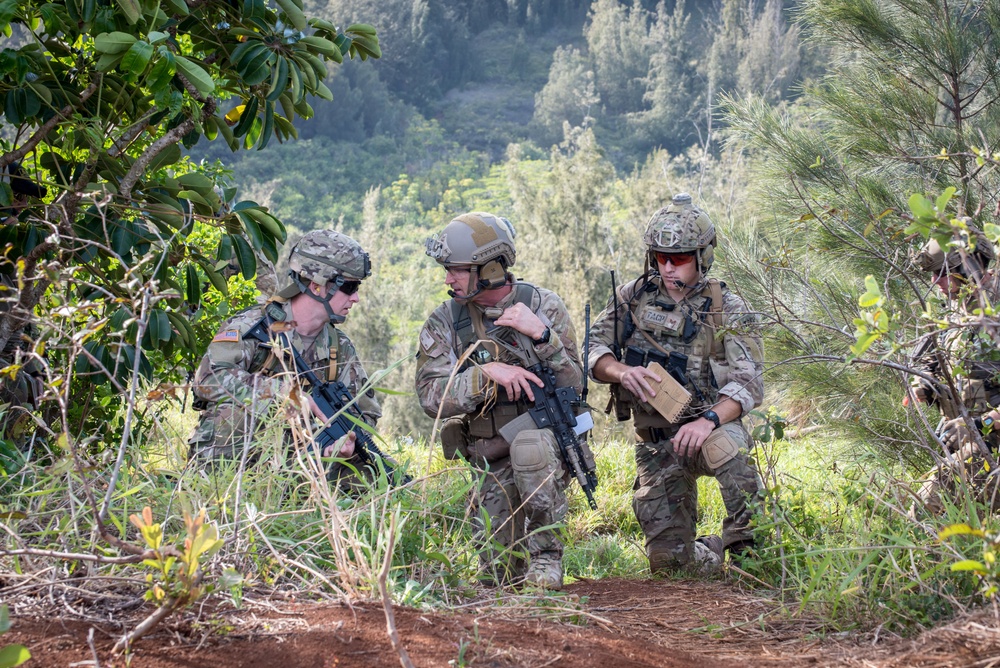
[(554, 409), (334, 401)]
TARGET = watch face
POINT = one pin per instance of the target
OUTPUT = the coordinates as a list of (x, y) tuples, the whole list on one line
[(988, 422)]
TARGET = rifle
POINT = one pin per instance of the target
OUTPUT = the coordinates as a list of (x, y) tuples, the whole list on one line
[(334, 400), (586, 353), (622, 410), (553, 410)]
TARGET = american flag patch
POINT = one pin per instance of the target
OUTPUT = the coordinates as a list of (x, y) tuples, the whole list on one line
[(227, 336)]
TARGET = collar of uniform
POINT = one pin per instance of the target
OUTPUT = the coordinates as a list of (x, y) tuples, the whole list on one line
[(323, 339)]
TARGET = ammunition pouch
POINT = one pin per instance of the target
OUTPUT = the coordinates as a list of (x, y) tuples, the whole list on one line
[(487, 424), (455, 440)]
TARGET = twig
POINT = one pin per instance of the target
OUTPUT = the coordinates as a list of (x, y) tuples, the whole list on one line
[(93, 650), (390, 618)]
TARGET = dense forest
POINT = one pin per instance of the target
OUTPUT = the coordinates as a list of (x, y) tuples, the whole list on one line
[(160, 157)]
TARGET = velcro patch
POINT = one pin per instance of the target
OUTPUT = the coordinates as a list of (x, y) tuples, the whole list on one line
[(426, 341), (227, 336)]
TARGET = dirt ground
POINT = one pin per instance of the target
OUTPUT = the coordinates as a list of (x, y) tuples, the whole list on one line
[(619, 623)]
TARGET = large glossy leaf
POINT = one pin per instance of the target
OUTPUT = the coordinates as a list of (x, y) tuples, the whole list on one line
[(245, 257)]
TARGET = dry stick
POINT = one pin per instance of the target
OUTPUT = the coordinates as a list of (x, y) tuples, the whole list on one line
[(79, 556), (390, 618)]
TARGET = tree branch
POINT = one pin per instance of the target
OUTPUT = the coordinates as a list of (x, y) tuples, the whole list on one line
[(44, 130)]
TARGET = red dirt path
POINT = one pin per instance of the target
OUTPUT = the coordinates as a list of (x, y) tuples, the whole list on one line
[(619, 623)]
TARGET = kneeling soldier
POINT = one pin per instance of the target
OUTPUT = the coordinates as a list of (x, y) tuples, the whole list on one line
[(708, 340), (523, 486), (241, 379)]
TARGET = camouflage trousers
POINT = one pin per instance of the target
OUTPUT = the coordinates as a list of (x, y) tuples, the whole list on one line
[(518, 496), (969, 471), (665, 497)]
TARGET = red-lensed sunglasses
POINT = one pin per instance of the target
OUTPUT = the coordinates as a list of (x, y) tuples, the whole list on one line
[(676, 259), (349, 287)]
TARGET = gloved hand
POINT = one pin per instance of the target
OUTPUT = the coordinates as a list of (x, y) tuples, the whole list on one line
[(954, 434)]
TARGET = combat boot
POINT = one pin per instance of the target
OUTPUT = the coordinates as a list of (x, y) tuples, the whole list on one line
[(545, 570), (708, 555)]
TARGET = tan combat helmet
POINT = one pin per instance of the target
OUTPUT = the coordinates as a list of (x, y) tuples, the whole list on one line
[(324, 257), (934, 260), (482, 241), (681, 227)]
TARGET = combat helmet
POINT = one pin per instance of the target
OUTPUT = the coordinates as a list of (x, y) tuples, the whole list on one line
[(482, 241), (323, 257), (933, 259), (681, 227)]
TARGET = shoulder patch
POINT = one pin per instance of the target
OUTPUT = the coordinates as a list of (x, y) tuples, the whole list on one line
[(426, 340), (227, 336)]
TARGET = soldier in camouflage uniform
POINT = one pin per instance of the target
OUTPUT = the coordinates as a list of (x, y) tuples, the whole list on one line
[(670, 312), (973, 359), (241, 382), (466, 378), (20, 389)]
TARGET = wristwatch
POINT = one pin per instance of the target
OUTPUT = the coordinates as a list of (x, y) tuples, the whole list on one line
[(544, 338), (988, 421), (713, 416)]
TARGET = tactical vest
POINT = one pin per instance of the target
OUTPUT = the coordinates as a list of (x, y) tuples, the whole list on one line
[(469, 330), (978, 383), (656, 326)]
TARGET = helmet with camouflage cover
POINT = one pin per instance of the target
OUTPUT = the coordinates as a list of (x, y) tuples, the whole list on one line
[(325, 257), (681, 227), (933, 259), (482, 241)]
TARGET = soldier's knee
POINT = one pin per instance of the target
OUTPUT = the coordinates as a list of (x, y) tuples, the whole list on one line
[(724, 445), (531, 451)]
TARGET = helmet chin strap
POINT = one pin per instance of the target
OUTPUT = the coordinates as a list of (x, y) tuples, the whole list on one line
[(334, 318), (478, 284)]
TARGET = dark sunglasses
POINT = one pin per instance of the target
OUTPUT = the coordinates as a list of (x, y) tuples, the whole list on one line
[(349, 287), (676, 259)]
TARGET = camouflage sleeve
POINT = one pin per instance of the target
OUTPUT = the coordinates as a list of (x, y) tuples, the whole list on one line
[(744, 353), (561, 353), (602, 330), (351, 373), (223, 375), (436, 361)]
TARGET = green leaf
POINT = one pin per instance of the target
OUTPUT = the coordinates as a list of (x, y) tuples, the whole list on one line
[(131, 9), (944, 198), (252, 228), (873, 295), (136, 59), (230, 578), (969, 565), (958, 530), (244, 256), (13, 655), (114, 42), (193, 285), (921, 206), (196, 74), (4, 619)]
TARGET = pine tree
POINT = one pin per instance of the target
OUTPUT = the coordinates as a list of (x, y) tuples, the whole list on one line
[(910, 98)]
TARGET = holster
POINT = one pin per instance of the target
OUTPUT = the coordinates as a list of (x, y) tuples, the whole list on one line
[(455, 439), (622, 406)]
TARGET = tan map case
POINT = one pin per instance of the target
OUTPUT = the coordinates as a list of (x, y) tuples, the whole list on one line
[(671, 397)]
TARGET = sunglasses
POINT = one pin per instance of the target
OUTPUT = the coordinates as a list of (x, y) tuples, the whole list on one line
[(676, 259), (349, 287)]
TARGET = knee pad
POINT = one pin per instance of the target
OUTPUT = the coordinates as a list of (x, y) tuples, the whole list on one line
[(531, 450), (723, 444)]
